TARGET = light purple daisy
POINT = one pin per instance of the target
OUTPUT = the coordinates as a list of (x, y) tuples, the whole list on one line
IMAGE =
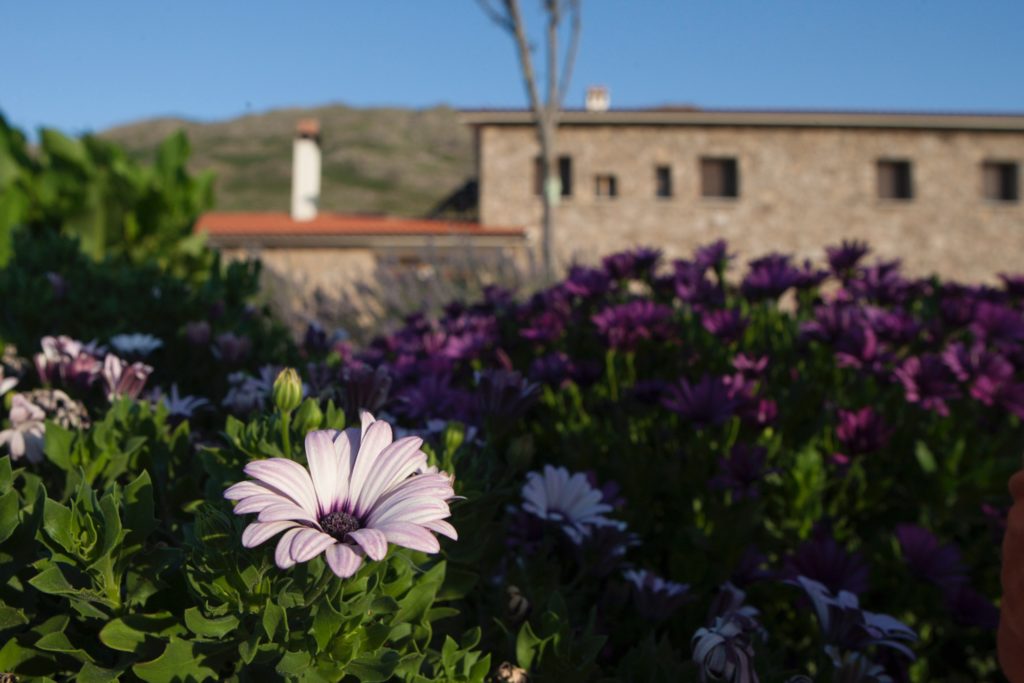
[(567, 500), (362, 490)]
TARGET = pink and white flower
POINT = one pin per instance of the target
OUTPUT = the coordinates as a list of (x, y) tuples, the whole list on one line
[(361, 491)]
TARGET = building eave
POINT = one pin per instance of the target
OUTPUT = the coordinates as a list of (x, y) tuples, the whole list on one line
[(757, 119)]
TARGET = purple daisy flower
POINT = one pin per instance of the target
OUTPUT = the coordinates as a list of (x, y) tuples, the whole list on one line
[(769, 277), (821, 558), (713, 256), (968, 607), (623, 326), (361, 492), (742, 472), (708, 402), (861, 431), (726, 323), (929, 559), (846, 255), (927, 380), (656, 598)]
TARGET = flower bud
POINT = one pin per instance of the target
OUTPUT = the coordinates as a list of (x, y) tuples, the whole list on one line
[(287, 390)]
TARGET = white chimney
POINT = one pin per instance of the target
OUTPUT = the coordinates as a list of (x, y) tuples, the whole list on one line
[(598, 98), (306, 170)]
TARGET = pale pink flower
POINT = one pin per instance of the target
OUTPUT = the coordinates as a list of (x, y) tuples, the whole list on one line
[(362, 490)]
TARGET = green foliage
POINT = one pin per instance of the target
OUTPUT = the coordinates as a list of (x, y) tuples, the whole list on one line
[(89, 189)]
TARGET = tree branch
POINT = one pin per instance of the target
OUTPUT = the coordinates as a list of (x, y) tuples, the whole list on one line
[(497, 16), (519, 31), (570, 55)]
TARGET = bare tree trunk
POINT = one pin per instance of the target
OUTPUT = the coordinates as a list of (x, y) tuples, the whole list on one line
[(546, 114)]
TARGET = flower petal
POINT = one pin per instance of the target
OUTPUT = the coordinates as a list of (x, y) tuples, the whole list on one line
[(289, 477), (375, 438), (325, 469), (342, 560), (282, 555), (309, 543), (396, 462), (411, 536), (258, 532), (285, 511), (372, 541), (244, 489), (416, 509), (260, 503), (442, 527)]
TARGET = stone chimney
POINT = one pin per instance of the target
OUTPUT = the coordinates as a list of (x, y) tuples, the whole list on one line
[(306, 170), (598, 98)]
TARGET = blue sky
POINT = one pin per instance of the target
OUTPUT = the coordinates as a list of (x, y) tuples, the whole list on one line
[(84, 66)]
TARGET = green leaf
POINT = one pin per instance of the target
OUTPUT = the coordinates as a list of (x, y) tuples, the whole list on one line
[(57, 521), (118, 635), (528, 645), (139, 516), (274, 616), (375, 667), (52, 581), (326, 623), (293, 663), (8, 514), (90, 673), (11, 617), (57, 445), (58, 642), (448, 652), (211, 628), (414, 606), (177, 663), (12, 655), (924, 457), (6, 474)]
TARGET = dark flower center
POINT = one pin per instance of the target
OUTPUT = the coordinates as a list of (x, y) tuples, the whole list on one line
[(339, 524)]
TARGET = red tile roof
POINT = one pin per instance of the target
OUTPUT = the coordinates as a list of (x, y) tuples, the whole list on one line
[(281, 224)]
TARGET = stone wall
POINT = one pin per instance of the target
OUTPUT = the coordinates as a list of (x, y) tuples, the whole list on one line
[(800, 189)]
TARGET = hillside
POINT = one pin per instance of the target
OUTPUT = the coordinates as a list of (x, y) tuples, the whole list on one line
[(398, 161)]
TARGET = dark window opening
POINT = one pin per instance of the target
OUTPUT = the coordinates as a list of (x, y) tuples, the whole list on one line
[(895, 180), (719, 177), (564, 174), (1001, 181), (663, 181), (606, 186)]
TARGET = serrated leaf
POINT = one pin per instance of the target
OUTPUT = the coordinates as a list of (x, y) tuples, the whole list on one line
[(90, 673), (326, 623), (13, 654), (211, 628), (178, 662), (528, 645), (293, 663)]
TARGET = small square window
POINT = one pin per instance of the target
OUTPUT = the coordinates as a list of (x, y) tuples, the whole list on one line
[(895, 179), (564, 174), (1000, 181), (606, 186), (719, 177), (663, 181)]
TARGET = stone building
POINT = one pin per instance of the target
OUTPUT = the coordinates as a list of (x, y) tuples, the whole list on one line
[(314, 262), (941, 192)]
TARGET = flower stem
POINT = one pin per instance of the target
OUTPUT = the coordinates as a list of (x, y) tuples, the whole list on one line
[(286, 436)]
